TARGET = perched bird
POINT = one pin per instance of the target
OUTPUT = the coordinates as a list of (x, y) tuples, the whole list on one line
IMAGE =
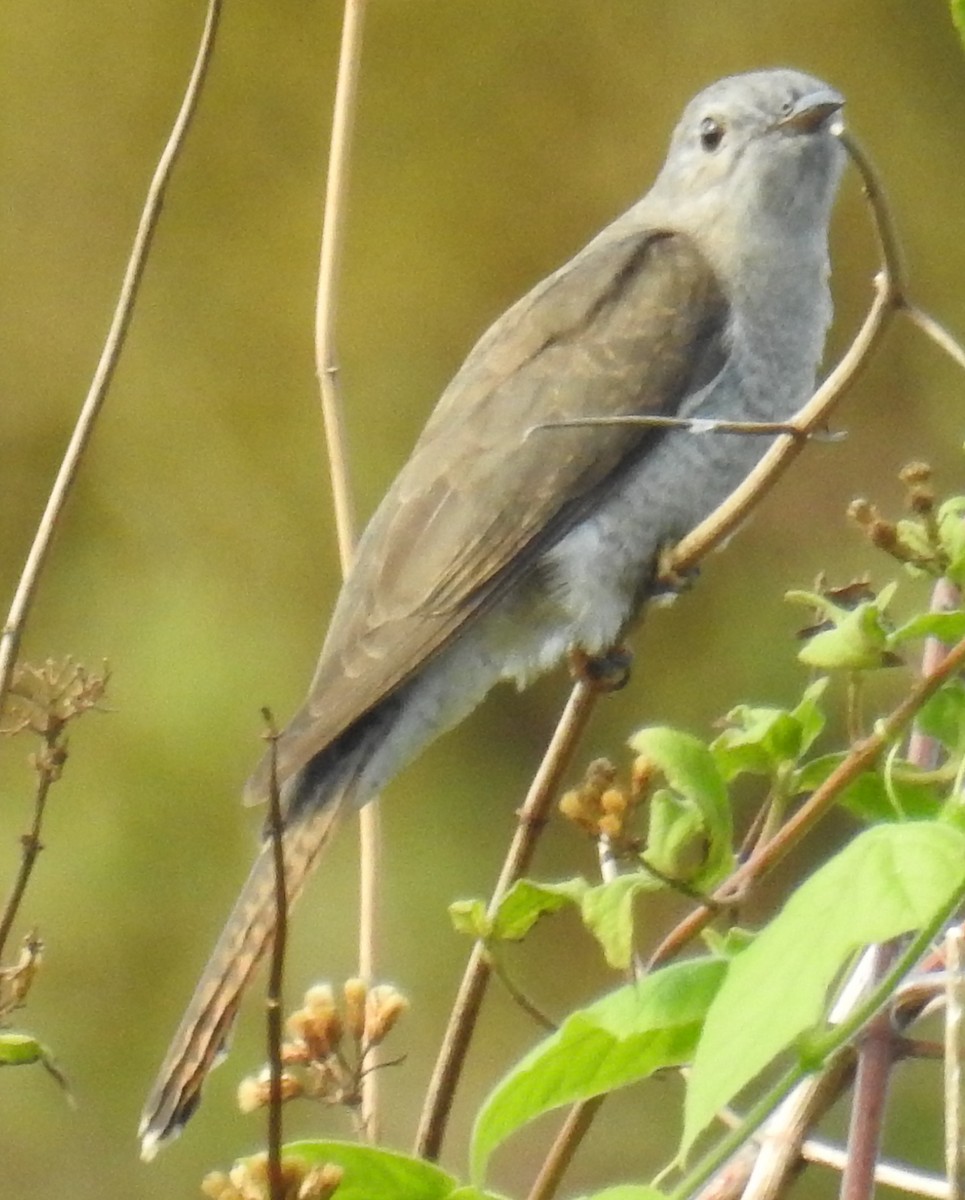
[(501, 547)]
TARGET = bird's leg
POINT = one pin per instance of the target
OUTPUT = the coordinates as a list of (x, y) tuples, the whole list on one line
[(667, 582), (607, 672)]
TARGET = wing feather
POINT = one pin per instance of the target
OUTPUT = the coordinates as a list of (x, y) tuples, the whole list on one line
[(636, 323)]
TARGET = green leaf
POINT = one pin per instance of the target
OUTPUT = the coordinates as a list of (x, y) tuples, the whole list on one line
[(526, 902), (887, 881), (20, 1049), (469, 916), (620, 1039), (915, 538), (729, 944), (951, 535), (677, 842), (873, 798), (948, 627), (627, 1191), (608, 914), (809, 714), (759, 740), (374, 1174), (943, 715), (857, 642), (690, 769), (815, 772), (471, 1193)]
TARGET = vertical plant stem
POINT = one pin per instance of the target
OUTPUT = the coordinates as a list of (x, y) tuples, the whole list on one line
[(274, 1006), (954, 1046), (30, 576), (565, 1145), (333, 415), (876, 1057), (31, 846), (330, 255), (462, 1020)]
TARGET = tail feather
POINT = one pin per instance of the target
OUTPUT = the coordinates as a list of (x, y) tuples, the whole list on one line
[(206, 1026)]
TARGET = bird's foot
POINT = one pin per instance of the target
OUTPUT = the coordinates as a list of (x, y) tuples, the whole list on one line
[(668, 582), (607, 672)]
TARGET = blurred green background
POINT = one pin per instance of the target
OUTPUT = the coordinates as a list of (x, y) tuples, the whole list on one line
[(198, 553)]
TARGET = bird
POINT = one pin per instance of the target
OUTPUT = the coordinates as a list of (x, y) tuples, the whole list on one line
[(505, 544)]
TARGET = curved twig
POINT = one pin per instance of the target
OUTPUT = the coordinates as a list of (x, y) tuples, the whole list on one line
[(30, 576)]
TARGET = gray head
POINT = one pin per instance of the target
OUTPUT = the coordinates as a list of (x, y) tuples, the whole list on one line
[(752, 152)]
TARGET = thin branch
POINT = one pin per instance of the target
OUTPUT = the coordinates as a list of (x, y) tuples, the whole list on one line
[(462, 1020), (36, 559), (333, 226), (892, 1175), (276, 976), (333, 416), (518, 996), (861, 757), (924, 750), (889, 297), (827, 1045), (693, 424), (876, 1057), (768, 1164), (30, 844), (766, 1167), (569, 1139), (581, 1116), (954, 1002), (936, 331)]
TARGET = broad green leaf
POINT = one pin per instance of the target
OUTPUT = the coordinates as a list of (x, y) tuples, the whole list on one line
[(887, 881), (627, 1191), (689, 768), (526, 902), (760, 739), (869, 797), (873, 798), (943, 715), (947, 627), (620, 1039), (471, 1193), (374, 1174), (608, 914)]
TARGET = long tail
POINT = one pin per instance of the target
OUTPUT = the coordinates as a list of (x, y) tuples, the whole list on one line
[(206, 1025)]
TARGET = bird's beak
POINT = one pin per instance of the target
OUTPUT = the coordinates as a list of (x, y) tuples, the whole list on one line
[(811, 112)]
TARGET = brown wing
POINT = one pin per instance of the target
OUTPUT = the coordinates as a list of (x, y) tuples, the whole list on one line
[(633, 324)]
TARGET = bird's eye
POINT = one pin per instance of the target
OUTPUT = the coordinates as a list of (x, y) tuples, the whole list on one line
[(711, 133), (787, 108)]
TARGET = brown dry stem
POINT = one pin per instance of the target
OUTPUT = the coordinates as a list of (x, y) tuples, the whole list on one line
[(26, 589)]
